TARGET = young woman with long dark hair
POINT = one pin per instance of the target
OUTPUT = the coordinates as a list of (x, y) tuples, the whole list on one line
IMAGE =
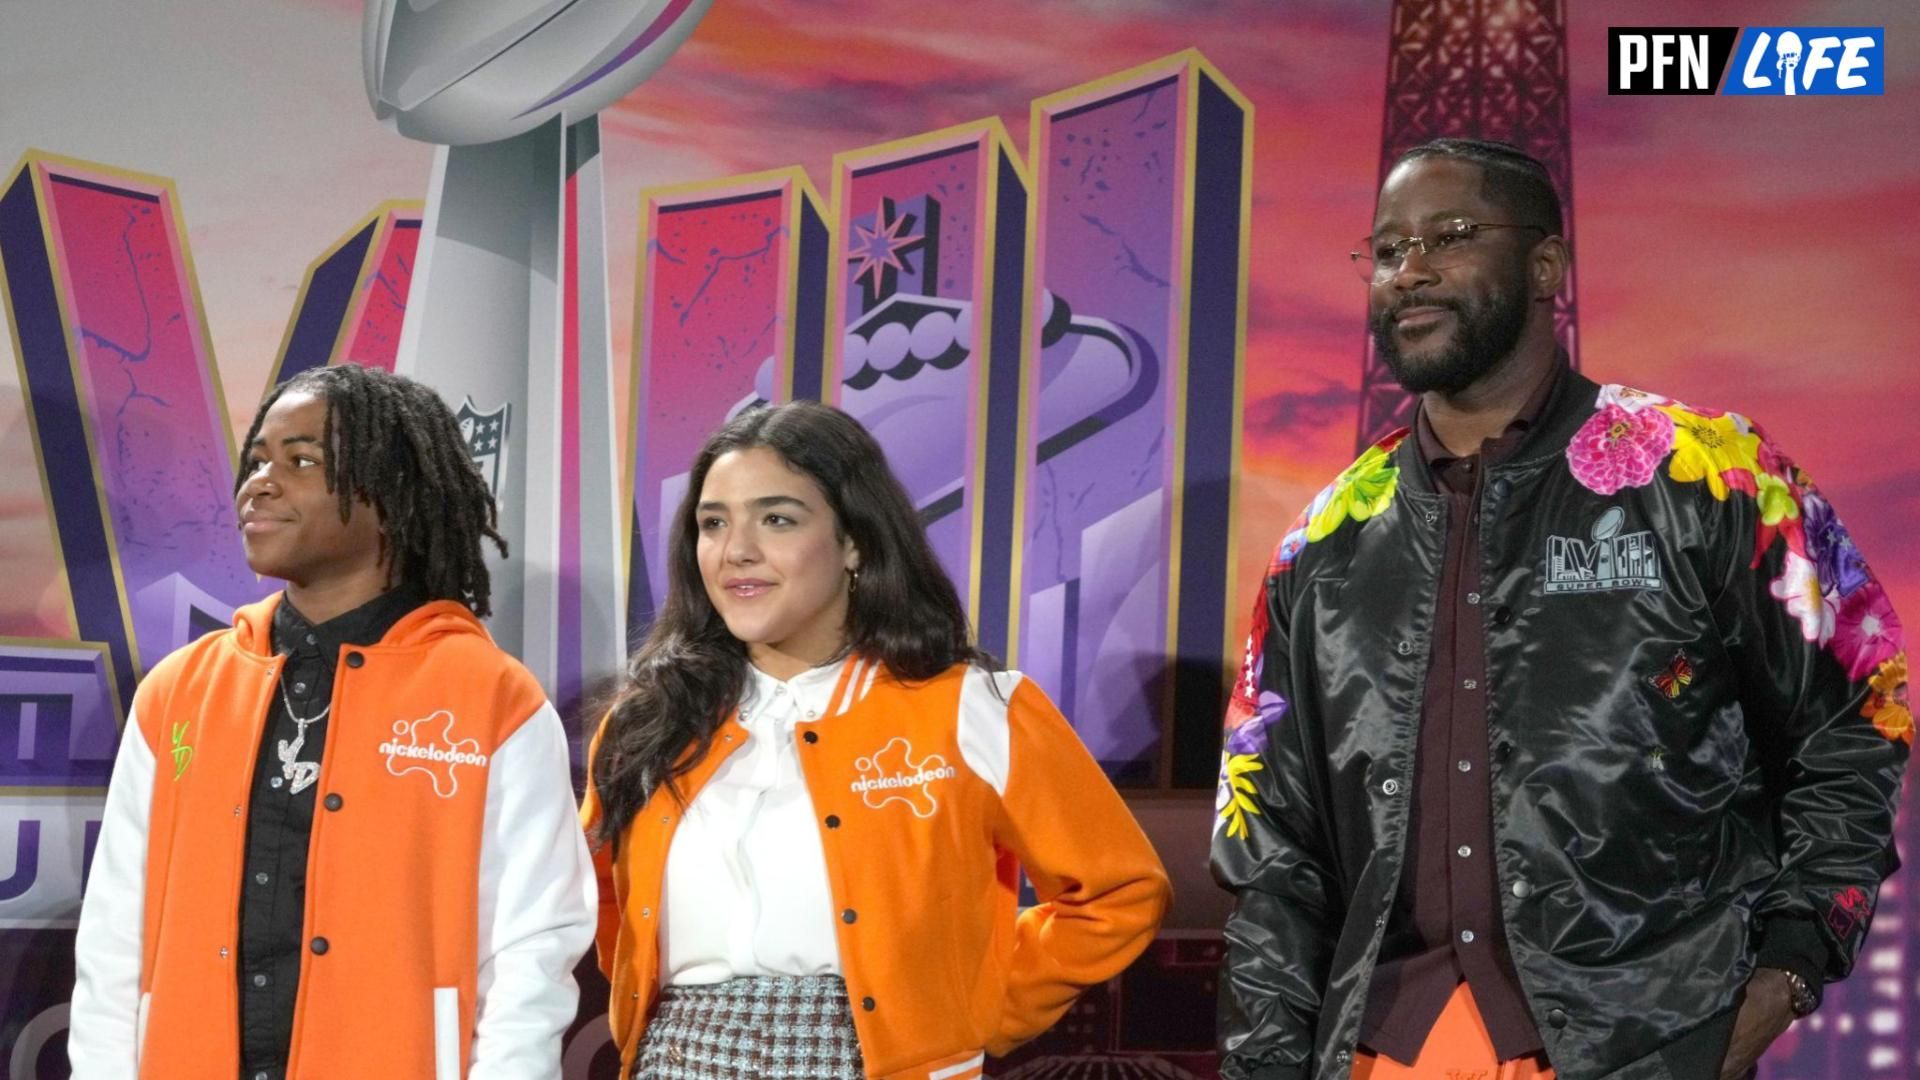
[(811, 805)]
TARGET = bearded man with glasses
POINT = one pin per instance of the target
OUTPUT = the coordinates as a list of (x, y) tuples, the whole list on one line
[(1570, 731)]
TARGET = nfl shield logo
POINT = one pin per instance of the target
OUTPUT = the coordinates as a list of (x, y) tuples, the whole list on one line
[(486, 435)]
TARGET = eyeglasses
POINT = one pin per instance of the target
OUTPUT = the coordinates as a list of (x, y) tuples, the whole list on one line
[(1376, 259)]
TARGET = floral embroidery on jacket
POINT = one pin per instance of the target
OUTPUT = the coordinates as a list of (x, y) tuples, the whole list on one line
[(1363, 490), (1887, 705), (1831, 547), (1709, 447), (1246, 738), (1866, 632), (1823, 583), (1798, 587), (1620, 448)]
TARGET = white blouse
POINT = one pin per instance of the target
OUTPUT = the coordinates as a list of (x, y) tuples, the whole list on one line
[(746, 881)]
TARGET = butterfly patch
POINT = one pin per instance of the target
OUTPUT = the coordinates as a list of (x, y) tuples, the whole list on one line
[(1677, 676)]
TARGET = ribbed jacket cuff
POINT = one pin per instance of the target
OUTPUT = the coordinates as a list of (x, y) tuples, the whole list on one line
[(1795, 944)]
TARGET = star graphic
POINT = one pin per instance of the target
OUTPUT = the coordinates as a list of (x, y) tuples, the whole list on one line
[(879, 252)]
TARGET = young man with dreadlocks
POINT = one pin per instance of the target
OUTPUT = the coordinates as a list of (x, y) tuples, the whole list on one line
[(340, 838)]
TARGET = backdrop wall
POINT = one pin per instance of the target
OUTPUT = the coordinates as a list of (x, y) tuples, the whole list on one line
[(1080, 265)]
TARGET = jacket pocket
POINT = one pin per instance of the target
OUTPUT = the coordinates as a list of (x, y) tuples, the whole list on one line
[(140, 1027), (446, 1033)]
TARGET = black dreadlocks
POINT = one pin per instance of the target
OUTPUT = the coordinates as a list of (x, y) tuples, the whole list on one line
[(394, 443)]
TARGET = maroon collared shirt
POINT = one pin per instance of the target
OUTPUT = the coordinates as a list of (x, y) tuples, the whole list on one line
[(1445, 923)]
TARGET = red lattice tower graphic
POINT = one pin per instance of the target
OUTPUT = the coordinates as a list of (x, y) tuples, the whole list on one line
[(1488, 69)]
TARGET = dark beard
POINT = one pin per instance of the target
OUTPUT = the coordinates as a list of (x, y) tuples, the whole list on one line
[(1484, 337)]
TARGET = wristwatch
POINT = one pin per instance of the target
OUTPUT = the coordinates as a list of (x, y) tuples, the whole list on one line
[(1802, 999)]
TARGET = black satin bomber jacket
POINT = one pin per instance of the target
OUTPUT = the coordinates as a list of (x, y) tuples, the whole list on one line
[(1678, 772)]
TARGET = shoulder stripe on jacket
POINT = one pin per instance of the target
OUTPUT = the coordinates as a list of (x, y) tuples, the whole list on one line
[(984, 734)]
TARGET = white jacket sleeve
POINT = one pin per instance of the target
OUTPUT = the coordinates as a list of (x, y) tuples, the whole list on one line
[(538, 902), (107, 1016)]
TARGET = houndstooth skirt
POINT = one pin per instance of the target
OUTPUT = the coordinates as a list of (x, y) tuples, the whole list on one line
[(766, 1028)]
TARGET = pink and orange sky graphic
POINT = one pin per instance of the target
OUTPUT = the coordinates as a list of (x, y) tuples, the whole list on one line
[(1744, 253)]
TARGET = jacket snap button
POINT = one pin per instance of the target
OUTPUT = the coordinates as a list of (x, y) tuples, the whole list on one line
[(646, 913), (849, 915), (1502, 488), (867, 1003), (1522, 890), (1504, 750), (355, 660), (1391, 787), (1502, 615), (833, 821), (319, 946), (334, 802), (812, 737), (1557, 1017), (1405, 648)]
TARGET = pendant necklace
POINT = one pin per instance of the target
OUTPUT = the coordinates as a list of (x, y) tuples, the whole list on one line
[(300, 775)]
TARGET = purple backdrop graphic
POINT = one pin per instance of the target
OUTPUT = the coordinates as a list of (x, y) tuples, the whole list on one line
[(1041, 430), (130, 432), (926, 311), (126, 407), (729, 314), (1139, 249), (354, 298)]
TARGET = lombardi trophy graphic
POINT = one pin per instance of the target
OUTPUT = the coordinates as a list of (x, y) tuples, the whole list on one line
[(508, 314)]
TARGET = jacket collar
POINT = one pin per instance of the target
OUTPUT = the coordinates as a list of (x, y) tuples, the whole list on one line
[(1569, 406), (253, 625), (294, 633)]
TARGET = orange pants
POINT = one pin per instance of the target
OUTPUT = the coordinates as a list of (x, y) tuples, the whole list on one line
[(1458, 1048)]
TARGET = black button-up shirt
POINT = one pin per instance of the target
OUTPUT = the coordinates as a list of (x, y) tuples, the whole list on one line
[(1445, 925), (279, 821)]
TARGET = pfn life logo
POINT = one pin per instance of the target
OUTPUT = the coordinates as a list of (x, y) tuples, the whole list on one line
[(1809, 60), (1788, 61)]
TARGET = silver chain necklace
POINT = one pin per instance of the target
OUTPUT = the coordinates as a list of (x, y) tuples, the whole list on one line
[(300, 775)]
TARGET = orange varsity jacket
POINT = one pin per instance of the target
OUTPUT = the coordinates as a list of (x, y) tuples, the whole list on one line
[(448, 890), (932, 797)]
